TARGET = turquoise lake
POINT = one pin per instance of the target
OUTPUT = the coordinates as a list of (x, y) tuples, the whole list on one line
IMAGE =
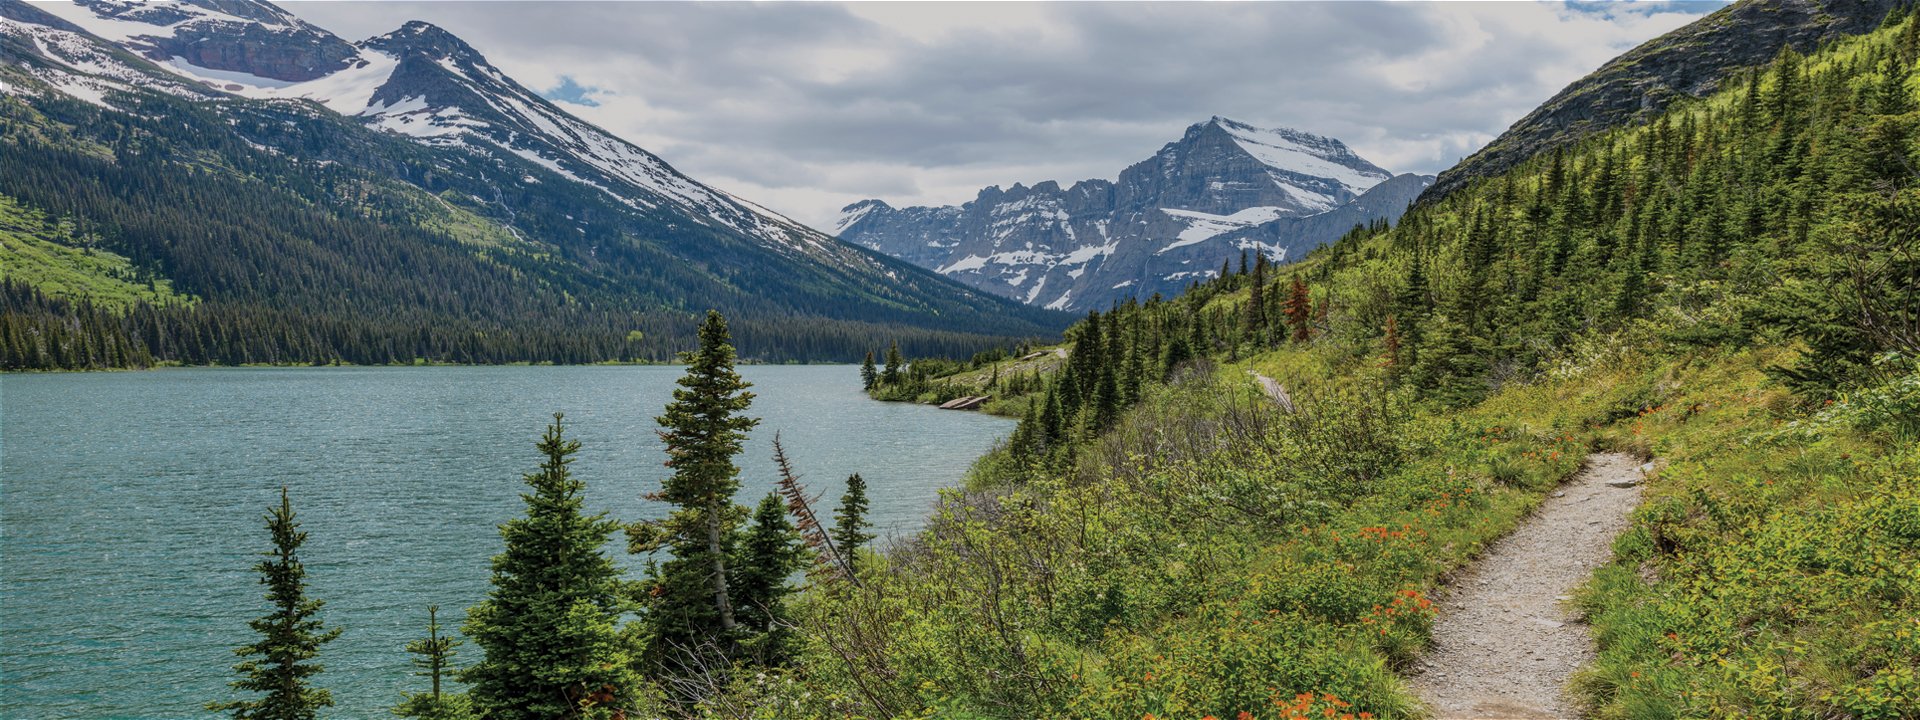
[(131, 506)]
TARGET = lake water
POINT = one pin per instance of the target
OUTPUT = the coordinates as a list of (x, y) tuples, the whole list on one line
[(131, 504)]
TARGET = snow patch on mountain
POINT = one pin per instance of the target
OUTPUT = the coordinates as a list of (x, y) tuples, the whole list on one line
[(1293, 151), (82, 69), (1203, 226), (347, 92)]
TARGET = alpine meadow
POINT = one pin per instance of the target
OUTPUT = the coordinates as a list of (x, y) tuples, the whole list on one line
[(361, 379)]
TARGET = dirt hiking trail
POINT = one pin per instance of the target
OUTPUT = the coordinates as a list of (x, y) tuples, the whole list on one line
[(1506, 639)]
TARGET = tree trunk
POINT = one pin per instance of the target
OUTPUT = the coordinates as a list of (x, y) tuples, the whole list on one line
[(719, 554)]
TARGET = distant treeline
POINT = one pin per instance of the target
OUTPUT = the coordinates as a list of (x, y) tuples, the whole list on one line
[(38, 332)]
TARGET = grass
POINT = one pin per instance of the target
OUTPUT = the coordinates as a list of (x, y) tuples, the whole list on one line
[(1210, 556), (47, 256), (1774, 568)]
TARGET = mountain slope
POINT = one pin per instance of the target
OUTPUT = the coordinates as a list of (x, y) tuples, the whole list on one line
[(1730, 292), (1223, 189), (1690, 62), (418, 140)]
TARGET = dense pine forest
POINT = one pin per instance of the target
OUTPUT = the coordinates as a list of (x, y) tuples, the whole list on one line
[(296, 237)]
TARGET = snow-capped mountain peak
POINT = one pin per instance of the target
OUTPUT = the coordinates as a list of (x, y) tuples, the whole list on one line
[(1224, 188), (422, 82), (1297, 152)]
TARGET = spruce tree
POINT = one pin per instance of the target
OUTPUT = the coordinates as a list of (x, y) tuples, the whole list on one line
[(281, 663), (1256, 317), (868, 375), (434, 656), (693, 612), (770, 552), (850, 521), (1393, 361), (1299, 310), (892, 374), (548, 627)]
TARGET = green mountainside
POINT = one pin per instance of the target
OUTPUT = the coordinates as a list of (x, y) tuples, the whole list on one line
[(1730, 291), (1686, 64), (37, 251), (309, 237)]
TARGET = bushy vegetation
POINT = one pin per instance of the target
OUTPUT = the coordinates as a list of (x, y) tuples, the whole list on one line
[(1771, 570)]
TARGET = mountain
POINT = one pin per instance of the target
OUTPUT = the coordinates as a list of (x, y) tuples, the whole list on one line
[(1223, 188), (500, 213), (1690, 62)]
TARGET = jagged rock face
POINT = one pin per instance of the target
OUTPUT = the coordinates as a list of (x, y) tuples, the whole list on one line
[(1689, 62), (1224, 188), (241, 36)]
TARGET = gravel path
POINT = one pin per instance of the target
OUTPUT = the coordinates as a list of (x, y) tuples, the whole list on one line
[(1275, 390), (1505, 641)]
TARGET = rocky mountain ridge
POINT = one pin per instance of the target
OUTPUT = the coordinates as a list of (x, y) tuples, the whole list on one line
[(1690, 62), (1224, 188)]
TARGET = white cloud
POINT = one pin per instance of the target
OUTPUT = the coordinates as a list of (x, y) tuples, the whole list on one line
[(806, 107)]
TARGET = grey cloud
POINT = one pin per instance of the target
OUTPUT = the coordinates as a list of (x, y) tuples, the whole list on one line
[(812, 105)]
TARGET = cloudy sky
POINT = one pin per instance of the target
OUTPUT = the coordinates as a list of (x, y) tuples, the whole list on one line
[(806, 107)]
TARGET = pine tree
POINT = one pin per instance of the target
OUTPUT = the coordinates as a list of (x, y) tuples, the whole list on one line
[(768, 554), (548, 626), (290, 635), (1256, 317), (435, 659), (703, 432), (1393, 361), (1299, 310), (1025, 442), (892, 374), (868, 375), (850, 521)]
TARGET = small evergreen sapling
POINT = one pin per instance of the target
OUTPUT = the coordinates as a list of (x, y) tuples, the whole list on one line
[(434, 656), (850, 521)]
